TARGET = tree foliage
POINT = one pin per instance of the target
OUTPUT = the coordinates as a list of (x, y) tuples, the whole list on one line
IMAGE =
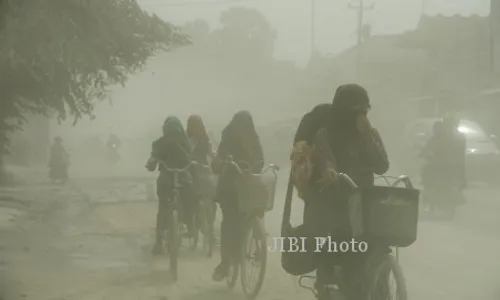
[(60, 55), (246, 36)]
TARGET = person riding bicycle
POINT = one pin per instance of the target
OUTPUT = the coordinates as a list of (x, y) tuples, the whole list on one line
[(174, 149), (345, 141), (200, 142), (445, 158), (201, 152), (59, 161), (240, 140)]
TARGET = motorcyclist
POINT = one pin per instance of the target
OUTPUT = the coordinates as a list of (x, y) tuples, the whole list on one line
[(445, 159), (113, 145), (240, 140), (346, 143), (174, 149), (59, 161)]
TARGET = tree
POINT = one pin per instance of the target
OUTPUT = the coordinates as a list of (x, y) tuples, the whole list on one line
[(60, 55), (245, 31)]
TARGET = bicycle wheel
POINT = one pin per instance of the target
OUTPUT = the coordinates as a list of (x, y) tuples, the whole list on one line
[(380, 283), (254, 259), (174, 242)]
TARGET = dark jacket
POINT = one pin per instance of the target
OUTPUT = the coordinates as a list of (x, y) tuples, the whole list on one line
[(174, 155), (246, 152)]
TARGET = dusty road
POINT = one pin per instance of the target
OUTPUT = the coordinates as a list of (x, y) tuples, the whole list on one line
[(90, 240)]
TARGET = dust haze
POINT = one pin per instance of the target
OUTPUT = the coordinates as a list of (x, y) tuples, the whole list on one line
[(91, 238)]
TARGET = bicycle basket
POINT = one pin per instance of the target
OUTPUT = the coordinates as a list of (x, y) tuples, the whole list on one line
[(256, 192), (387, 215)]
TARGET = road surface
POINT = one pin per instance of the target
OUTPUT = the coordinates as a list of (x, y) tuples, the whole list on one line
[(90, 239)]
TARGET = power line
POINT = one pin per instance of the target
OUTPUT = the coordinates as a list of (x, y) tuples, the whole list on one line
[(361, 7)]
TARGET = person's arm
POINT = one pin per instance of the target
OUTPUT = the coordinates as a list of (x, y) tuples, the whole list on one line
[(375, 151), (152, 164), (304, 130), (259, 157), (222, 154), (323, 157)]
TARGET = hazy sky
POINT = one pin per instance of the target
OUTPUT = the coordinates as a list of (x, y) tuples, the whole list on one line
[(335, 22)]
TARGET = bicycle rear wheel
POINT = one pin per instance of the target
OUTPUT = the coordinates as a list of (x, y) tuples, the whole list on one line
[(253, 259), (380, 284)]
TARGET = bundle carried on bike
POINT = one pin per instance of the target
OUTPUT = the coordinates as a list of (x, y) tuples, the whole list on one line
[(256, 191)]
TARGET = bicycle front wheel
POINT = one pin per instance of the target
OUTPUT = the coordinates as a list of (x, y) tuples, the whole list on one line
[(174, 242), (253, 259), (388, 271)]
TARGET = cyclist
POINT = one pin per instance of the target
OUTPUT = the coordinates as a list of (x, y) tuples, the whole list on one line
[(59, 161), (240, 140), (345, 143), (445, 157), (200, 142), (174, 149), (202, 150)]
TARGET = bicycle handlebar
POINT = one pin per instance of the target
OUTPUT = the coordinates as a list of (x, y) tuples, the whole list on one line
[(231, 162), (189, 165), (403, 178)]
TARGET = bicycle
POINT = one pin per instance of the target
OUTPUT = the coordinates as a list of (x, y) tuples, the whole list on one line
[(174, 230), (204, 217), (379, 262), (254, 234)]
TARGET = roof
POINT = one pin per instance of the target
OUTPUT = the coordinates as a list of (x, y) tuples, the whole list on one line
[(447, 29), (383, 49)]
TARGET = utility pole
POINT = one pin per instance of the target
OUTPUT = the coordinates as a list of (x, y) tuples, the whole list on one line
[(313, 26), (361, 7)]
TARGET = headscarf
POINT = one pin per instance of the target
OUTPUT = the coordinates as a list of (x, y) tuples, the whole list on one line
[(241, 130), (348, 99), (196, 129), (172, 128)]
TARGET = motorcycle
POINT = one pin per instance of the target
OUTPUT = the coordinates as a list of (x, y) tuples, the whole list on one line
[(113, 154)]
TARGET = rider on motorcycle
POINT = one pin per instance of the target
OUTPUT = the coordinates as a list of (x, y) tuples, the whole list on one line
[(346, 143), (445, 159), (59, 161), (174, 149), (113, 145)]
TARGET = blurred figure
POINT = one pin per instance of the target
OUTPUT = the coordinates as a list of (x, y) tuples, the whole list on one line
[(59, 162), (174, 149), (112, 146), (240, 140), (444, 169)]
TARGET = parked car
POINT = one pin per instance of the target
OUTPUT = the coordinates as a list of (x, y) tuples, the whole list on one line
[(482, 156)]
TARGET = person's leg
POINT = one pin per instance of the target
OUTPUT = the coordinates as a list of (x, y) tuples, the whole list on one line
[(353, 275), (161, 217)]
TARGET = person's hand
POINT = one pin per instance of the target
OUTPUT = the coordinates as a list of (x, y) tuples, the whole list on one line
[(329, 177), (363, 124)]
